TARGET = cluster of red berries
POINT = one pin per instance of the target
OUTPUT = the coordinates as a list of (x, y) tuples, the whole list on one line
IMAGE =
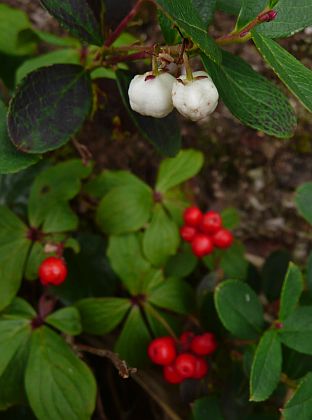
[(53, 271), (184, 358), (204, 231)]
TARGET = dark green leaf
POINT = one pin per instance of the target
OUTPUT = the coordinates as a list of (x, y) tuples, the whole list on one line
[(309, 272), (57, 382), (239, 309), (133, 341), (229, 6), (294, 74), (48, 205), (35, 258), (296, 332), (266, 367), (102, 315), (66, 320), (11, 160), (181, 265), (300, 404), (291, 291), (78, 18), (161, 322), (206, 408), (233, 262), (253, 99), (170, 33), (60, 98), (273, 273), (184, 14), (206, 9), (303, 201), (163, 133), (249, 10), (230, 218), (19, 308), (176, 202)]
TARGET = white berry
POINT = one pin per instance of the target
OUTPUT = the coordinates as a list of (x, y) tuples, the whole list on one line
[(151, 96), (195, 99)]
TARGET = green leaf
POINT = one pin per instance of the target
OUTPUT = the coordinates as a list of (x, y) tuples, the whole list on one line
[(61, 99), (65, 56), (101, 315), (249, 10), (173, 294), (174, 171), (229, 6), (291, 291), (296, 331), (239, 309), (176, 202), (266, 367), (233, 262), (48, 205), (251, 98), (14, 247), (13, 335), (162, 133), (294, 74), (133, 340), (299, 406), (66, 320), (161, 238), (56, 380), (170, 33), (309, 272), (126, 258), (59, 41), (184, 15), (207, 408), (291, 17), (230, 218), (15, 30), (303, 200), (35, 258), (18, 308), (11, 160), (125, 209), (206, 9), (181, 265), (78, 18), (273, 273)]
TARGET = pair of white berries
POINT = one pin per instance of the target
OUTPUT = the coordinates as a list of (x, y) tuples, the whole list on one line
[(156, 96)]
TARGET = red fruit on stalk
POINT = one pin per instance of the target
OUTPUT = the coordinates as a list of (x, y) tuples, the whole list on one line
[(162, 351), (223, 239), (204, 344), (187, 233), (201, 368), (211, 222), (192, 216), (53, 271), (171, 375), (185, 365), (202, 245)]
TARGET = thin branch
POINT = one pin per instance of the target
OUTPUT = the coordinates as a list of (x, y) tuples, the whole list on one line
[(83, 151)]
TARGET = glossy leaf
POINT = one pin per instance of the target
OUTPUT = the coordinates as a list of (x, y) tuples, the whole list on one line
[(66, 320), (174, 171), (11, 160), (78, 18), (206, 9), (299, 406), (239, 309), (294, 74), (291, 291), (273, 273), (266, 367), (303, 201), (296, 331), (101, 315), (55, 114), (162, 133), (250, 97), (56, 380)]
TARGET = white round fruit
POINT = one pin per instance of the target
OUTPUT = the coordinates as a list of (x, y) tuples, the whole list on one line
[(151, 95), (195, 99)]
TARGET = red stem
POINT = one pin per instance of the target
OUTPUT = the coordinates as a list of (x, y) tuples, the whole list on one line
[(130, 57)]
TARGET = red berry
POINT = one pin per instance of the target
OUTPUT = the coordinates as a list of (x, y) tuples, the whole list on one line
[(204, 344), (192, 216), (52, 270), (211, 222), (187, 233), (171, 375), (185, 365), (202, 245), (162, 351), (201, 368), (185, 339), (223, 239)]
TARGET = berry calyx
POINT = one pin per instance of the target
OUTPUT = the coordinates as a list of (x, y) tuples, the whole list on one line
[(53, 271), (185, 339), (185, 365), (211, 223), (171, 375), (162, 351), (192, 216), (201, 368), (223, 239), (202, 245), (187, 233), (204, 344)]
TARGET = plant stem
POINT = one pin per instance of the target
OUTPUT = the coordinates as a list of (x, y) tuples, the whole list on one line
[(189, 73), (123, 24), (287, 381), (160, 319)]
